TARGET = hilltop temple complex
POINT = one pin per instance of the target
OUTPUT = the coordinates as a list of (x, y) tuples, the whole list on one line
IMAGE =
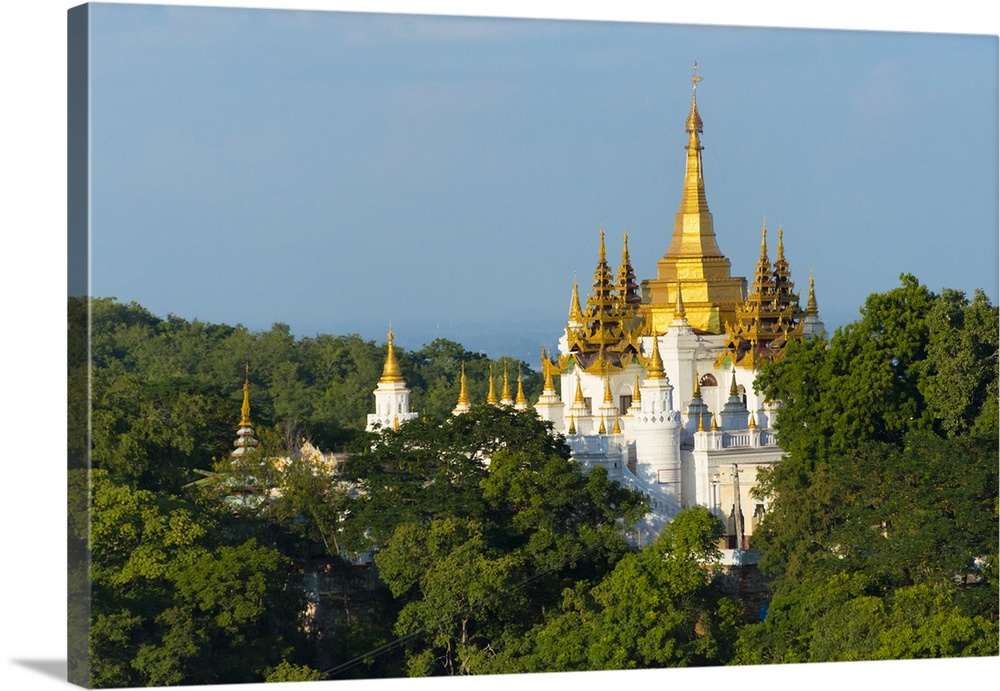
[(656, 377)]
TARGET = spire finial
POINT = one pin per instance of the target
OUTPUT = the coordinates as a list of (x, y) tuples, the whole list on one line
[(520, 400), (781, 243), (575, 312), (491, 396), (733, 391), (390, 371), (697, 386), (654, 370), (694, 123), (463, 393), (548, 388), (811, 308), (579, 391), (763, 238), (679, 312), (618, 428), (572, 426), (245, 408), (637, 395), (603, 255), (607, 390), (505, 394)]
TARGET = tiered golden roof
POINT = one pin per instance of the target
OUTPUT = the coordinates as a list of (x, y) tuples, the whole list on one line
[(770, 316), (605, 336)]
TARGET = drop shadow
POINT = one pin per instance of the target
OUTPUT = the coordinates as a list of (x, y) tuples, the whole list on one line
[(50, 668)]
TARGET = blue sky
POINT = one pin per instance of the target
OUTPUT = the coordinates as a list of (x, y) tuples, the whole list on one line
[(338, 171)]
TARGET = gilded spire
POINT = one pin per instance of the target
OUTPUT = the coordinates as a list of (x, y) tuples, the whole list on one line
[(575, 312), (654, 370), (548, 388), (463, 393), (244, 435), (618, 428), (572, 426), (679, 312), (811, 309), (781, 245), (701, 422), (395, 423), (520, 401), (245, 409), (697, 386), (390, 371), (715, 426), (607, 391), (491, 396), (637, 395), (602, 429), (693, 197), (579, 391), (733, 391), (753, 421), (505, 394)]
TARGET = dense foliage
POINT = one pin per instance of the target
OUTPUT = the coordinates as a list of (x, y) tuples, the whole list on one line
[(882, 535), (495, 552)]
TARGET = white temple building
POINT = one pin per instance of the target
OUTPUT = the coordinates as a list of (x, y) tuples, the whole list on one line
[(656, 378)]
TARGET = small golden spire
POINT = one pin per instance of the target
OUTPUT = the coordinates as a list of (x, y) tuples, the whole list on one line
[(390, 371), (637, 394), (607, 391), (520, 399), (753, 421), (697, 386), (549, 388), (505, 394), (733, 391), (763, 239), (654, 370), (602, 429), (491, 397), (579, 391), (679, 312), (781, 244), (575, 312), (395, 424), (602, 256), (617, 429), (715, 427), (245, 408), (811, 309), (701, 422), (572, 425), (463, 393)]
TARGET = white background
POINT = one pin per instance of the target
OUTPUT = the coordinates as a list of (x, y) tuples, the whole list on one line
[(32, 390)]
